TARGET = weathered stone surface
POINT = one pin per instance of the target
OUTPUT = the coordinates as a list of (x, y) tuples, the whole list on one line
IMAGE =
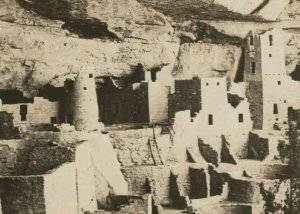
[(31, 58), (190, 31), (292, 11), (117, 19), (7, 10), (196, 9), (207, 60)]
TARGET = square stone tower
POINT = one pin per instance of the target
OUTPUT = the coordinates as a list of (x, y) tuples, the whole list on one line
[(265, 77)]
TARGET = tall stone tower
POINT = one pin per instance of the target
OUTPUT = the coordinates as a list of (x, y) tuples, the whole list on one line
[(84, 107), (265, 77)]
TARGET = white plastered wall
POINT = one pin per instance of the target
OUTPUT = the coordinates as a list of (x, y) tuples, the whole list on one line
[(85, 178), (60, 190), (158, 102), (40, 111)]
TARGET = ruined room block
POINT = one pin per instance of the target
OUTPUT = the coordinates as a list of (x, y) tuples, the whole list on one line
[(7, 129), (244, 190), (199, 183), (254, 94), (208, 153), (226, 155), (217, 181), (258, 147)]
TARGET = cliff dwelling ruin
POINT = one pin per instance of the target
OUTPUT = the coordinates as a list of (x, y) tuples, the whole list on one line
[(149, 107)]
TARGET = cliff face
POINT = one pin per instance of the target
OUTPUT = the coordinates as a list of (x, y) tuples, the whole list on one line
[(48, 41)]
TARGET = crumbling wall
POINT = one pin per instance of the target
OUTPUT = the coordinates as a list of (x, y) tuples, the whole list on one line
[(258, 147), (40, 111), (254, 93), (226, 155), (22, 194), (133, 148), (150, 179), (126, 105), (208, 153), (199, 183), (217, 181), (44, 158), (180, 185), (8, 156), (132, 204), (60, 190), (187, 96), (7, 129), (244, 190)]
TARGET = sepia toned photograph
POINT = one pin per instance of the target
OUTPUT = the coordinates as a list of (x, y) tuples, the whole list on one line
[(149, 106)]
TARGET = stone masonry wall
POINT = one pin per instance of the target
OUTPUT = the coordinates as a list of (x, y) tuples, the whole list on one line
[(254, 93), (199, 183), (22, 194)]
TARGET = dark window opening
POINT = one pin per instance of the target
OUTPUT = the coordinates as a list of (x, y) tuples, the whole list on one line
[(23, 117), (70, 119), (276, 119), (275, 109), (253, 67), (210, 119), (251, 40), (53, 120), (207, 83), (90, 75), (84, 88), (279, 82), (23, 112), (153, 76), (218, 83), (271, 40), (270, 55), (241, 118), (284, 101)]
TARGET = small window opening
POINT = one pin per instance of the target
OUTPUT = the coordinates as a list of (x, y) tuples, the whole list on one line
[(251, 40), (275, 109), (53, 120), (284, 101), (253, 67), (279, 82), (276, 119), (271, 40), (84, 88), (90, 75), (153, 76), (210, 119), (207, 83), (23, 112), (218, 83), (270, 55), (241, 118)]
